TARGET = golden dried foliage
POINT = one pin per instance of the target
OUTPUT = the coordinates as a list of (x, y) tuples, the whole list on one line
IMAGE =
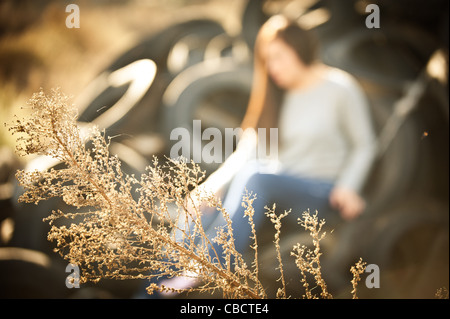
[(120, 235), (307, 260), (128, 227), (357, 270), (442, 293), (276, 221)]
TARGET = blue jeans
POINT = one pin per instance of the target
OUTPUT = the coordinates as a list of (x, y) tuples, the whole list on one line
[(286, 191)]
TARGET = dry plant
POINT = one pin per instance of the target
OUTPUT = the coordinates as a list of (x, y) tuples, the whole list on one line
[(125, 227), (357, 270), (442, 293), (119, 236), (307, 260), (276, 221)]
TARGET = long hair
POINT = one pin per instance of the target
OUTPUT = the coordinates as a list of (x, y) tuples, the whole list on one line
[(266, 97)]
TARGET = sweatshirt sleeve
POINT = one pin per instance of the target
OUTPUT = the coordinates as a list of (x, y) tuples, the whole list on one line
[(356, 121)]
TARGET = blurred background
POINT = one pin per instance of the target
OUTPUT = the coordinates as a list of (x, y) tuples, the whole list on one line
[(139, 68)]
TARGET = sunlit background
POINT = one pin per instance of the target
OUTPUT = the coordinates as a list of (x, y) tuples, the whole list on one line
[(140, 68)]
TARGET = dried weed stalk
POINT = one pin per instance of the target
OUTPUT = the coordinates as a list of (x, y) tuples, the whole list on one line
[(276, 221), (357, 270), (442, 293), (307, 260), (125, 227)]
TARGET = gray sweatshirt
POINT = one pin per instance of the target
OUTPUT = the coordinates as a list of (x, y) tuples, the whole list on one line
[(326, 132)]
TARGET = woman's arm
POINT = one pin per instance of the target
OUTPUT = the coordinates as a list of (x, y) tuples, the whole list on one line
[(357, 125), (245, 150)]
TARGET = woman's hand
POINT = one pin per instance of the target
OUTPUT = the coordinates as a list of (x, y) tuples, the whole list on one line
[(197, 200), (194, 204), (349, 203)]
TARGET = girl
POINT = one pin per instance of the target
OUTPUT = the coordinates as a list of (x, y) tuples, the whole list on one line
[(326, 141)]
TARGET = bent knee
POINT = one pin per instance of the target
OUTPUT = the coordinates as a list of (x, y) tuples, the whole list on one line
[(260, 182)]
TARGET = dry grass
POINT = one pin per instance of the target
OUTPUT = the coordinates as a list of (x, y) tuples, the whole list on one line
[(128, 227), (442, 293), (307, 260), (119, 236), (276, 221), (357, 271)]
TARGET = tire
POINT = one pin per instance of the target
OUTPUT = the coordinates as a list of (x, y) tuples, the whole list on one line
[(389, 56), (252, 19), (111, 97), (217, 96), (392, 174), (26, 273), (158, 46), (108, 88), (9, 163), (190, 50), (225, 46), (128, 85), (102, 102)]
